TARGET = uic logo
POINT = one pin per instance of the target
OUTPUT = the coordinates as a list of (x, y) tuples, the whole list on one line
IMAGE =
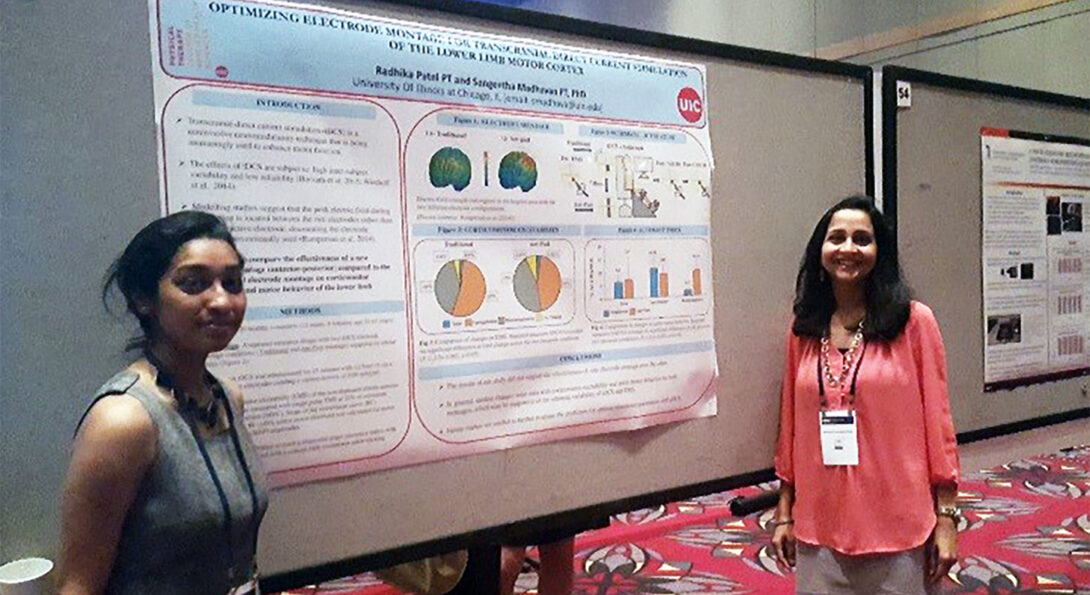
[(689, 104)]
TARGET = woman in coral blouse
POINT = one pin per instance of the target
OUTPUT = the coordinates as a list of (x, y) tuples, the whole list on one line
[(866, 455)]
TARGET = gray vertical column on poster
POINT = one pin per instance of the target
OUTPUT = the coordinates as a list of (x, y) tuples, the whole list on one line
[(938, 204), (80, 177)]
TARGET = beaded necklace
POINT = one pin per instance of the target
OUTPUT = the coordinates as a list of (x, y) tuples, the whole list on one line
[(846, 363)]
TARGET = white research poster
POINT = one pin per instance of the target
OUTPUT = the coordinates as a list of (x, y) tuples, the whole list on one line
[(455, 242), (1036, 257)]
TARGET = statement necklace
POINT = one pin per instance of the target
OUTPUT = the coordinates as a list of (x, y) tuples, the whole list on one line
[(208, 414), (845, 363)]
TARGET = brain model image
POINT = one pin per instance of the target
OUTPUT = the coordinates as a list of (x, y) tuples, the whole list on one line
[(449, 166), (517, 169)]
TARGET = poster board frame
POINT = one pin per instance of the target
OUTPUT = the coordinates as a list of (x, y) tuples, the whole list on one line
[(483, 539), (896, 187)]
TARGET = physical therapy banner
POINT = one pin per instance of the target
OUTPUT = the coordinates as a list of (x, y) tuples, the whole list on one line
[(455, 242), (1036, 257)]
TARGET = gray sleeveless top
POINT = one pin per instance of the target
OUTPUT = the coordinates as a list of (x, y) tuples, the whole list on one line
[(174, 539)]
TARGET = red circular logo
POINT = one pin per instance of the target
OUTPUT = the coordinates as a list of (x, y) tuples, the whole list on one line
[(221, 71), (689, 104)]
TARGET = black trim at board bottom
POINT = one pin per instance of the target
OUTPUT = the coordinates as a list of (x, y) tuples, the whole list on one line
[(498, 534), (991, 387), (765, 500), (1022, 426), (492, 535), (1049, 138)]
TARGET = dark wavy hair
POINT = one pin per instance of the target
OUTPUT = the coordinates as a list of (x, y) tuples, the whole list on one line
[(136, 273), (887, 295)]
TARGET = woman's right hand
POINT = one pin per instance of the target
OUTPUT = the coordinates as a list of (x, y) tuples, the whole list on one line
[(783, 543), (783, 536)]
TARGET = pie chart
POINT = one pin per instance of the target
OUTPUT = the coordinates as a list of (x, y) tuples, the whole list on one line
[(460, 288), (537, 283)]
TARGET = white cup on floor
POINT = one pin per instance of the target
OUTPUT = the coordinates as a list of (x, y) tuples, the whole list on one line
[(25, 577)]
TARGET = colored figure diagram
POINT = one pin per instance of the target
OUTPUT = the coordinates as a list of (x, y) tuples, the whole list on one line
[(449, 166), (460, 288), (518, 170), (537, 283)]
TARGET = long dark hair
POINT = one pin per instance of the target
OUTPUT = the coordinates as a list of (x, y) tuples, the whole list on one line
[(136, 273), (887, 295)]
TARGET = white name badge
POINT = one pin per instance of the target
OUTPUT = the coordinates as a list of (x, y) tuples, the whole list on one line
[(839, 437), (247, 588)]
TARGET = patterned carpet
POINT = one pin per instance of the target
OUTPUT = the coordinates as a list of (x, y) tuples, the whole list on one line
[(1026, 530)]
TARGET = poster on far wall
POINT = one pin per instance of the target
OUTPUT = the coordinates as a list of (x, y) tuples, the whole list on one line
[(1035, 250)]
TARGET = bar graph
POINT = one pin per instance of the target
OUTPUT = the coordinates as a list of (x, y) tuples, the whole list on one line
[(624, 286), (1066, 266), (1070, 345), (1069, 304), (694, 287), (658, 278), (647, 273)]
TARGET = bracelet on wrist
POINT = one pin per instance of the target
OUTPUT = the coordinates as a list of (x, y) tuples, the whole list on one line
[(777, 523), (952, 512)]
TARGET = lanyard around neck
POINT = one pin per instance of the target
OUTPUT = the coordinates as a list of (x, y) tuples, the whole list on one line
[(166, 381), (855, 376)]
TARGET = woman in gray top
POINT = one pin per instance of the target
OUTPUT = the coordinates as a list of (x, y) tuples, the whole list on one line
[(164, 492)]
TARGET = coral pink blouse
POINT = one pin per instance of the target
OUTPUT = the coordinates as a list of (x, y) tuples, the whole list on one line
[(906, 442)]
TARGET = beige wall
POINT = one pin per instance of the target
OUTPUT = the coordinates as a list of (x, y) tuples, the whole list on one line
[(1039, 44), (1042, 49)]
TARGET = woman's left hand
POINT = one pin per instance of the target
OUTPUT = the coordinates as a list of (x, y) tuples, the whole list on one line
[(943, 549)]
